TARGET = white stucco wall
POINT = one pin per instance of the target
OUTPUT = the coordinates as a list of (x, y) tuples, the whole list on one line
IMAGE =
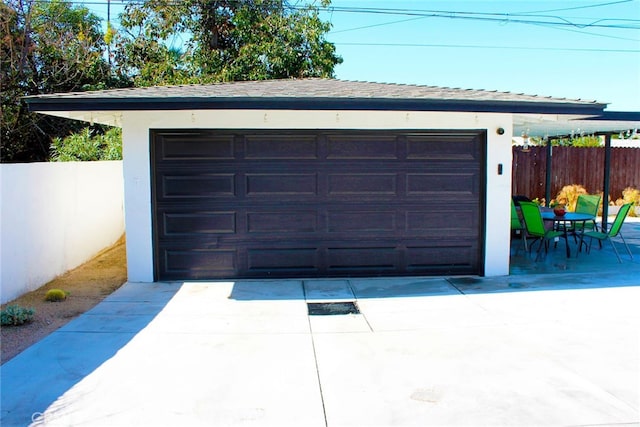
[(54, 217), (136, 126)]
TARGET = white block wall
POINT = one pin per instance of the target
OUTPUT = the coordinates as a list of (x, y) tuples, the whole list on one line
[(53, 218)]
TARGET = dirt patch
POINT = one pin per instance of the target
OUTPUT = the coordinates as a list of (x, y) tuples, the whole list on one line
[(87, 285)]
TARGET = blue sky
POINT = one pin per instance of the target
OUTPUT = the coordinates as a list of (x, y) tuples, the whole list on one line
[(572, 49)]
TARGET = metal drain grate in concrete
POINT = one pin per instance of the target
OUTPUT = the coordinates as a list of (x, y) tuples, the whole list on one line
[(332, 308)]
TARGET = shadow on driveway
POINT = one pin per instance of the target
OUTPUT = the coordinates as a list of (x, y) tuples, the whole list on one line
[(35, 378)]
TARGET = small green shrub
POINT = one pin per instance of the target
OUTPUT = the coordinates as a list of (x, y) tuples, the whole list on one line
[(55, 295), (88, 145), (14, 315)]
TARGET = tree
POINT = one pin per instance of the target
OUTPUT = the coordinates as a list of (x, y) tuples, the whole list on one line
[(201, 41), (47, 47), (52, 46)]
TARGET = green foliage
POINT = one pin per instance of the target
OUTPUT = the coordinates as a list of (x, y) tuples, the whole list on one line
[(586, 141), (112, 144), (580, 141), (222, 40), (109, 34), (55, 295), (14, 315), (88, 146), (47, 47)]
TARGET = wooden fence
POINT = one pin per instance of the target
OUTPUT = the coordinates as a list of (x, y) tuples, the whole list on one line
[(574, 165)]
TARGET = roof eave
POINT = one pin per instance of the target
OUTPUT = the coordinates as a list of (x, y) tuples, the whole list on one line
[(50, 104), (620, 116)]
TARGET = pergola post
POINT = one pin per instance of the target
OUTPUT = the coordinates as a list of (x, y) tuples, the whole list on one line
[(547, 184), (605, 184)]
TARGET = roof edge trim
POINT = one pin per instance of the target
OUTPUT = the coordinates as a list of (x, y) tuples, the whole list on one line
[(623, 116), (276, 103)]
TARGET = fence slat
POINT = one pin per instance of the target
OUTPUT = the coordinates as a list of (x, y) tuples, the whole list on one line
[(574, 165)]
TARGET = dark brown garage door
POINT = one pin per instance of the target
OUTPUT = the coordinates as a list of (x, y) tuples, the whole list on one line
[(313, 204)]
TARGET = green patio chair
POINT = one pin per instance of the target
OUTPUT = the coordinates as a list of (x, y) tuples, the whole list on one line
[(613, 232), (517, 226), (535, 227), (586, 204)]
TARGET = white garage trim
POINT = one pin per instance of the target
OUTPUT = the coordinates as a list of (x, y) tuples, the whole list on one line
[(136, 126)]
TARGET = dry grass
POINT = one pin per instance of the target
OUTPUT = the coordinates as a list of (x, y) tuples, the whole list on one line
[(86, 286)]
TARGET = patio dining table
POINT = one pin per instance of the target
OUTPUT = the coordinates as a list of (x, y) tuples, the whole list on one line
[(568, 220)]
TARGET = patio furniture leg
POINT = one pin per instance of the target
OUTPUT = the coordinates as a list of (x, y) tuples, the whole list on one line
[(539, 251), (614, 249), (582, 242), (542, 243), (626, 246), (524, 242)]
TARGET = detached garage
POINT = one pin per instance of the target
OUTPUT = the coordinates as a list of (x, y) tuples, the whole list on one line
[(313, 177)]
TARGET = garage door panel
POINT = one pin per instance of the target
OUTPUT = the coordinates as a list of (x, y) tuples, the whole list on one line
[(442, 256), (282, 183), (303, 259), (292, 147), (282, 222), (362, 184), (441, 146), (194, 224), (315, 203), (200, 262), (361, 147), (184, 146), (458, 184), (197, 186), (359, 221), (459, 222), (362, 258)]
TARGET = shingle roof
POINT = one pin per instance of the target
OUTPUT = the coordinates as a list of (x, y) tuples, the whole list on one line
[(312, 93)]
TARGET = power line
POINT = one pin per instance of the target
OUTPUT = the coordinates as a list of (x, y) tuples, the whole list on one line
[(542, 25), (549, 21), (580, 7), (633, 24), (364, 27), (573, 30), (469, 46), (564, 24)]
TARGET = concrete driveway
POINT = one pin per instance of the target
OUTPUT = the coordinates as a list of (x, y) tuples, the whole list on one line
[(551, 348)]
